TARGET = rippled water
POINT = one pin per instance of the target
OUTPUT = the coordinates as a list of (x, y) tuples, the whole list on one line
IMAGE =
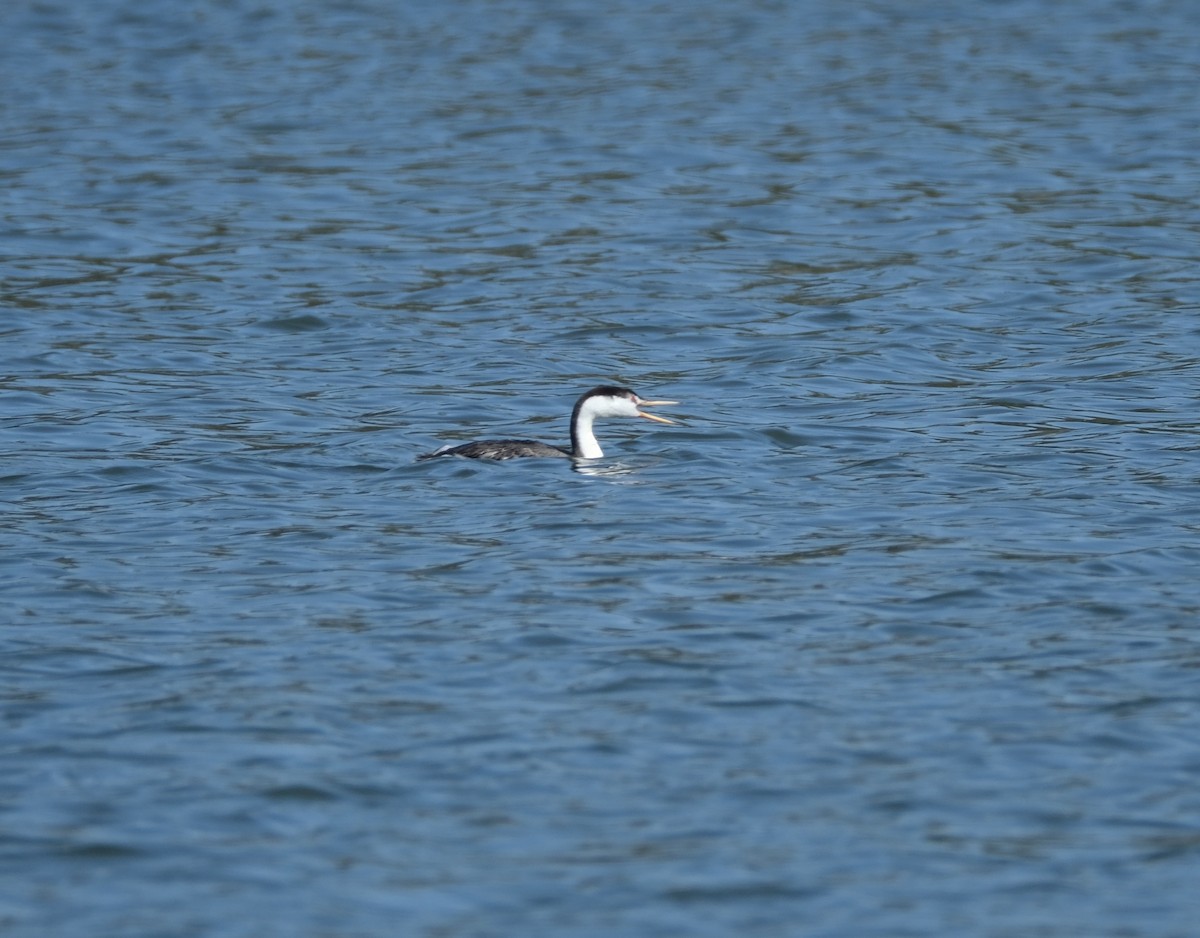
[(895, 636)]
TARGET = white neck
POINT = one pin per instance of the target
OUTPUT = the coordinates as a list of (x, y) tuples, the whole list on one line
[(584, 439)]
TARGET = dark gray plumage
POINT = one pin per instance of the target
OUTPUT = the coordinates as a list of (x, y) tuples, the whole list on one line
[(604, 401)]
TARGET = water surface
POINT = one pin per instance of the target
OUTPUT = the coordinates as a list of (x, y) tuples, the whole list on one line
[(893, 636)]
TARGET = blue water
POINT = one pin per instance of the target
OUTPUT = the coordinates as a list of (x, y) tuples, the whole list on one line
[(894, 635)]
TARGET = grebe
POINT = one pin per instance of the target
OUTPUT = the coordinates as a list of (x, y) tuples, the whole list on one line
[(604, 401)]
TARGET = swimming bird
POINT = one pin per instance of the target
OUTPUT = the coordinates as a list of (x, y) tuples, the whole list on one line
[(604, 401)]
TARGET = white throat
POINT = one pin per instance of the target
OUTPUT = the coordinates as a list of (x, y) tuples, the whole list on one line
[(619, 403), (586, 446)]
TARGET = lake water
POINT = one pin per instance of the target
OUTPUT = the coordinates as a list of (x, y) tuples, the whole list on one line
[(894, 635)]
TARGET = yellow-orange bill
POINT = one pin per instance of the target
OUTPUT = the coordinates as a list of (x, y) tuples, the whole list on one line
[(655, 417)]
